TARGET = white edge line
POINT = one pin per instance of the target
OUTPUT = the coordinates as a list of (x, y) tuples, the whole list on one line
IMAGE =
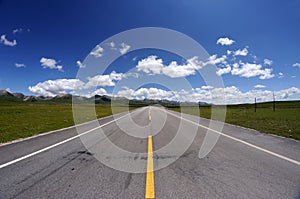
[(59, 143), (57, 130), (241, 141)]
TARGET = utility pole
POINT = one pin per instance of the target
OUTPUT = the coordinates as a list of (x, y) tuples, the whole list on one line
[(273, 101), (254, 104)]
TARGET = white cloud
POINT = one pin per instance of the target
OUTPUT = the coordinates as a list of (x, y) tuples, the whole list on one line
[(235, 65), (62, 86), (97, 52), (80, 64), (174, 70), (100, 91), (150, 65), (296, 65), (259, 86), (239, 52), (7, 42), (104, 80), (225, 41), (20, 65), (222, 71), (142, 93), (124, 48), (50, 63), (252, 70), (280, 75), (55, 87), (268, 62), (213, 60), (153, 65)]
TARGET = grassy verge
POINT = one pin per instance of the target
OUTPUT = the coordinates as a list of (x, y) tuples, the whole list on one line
[(285, 121), (20, 120)]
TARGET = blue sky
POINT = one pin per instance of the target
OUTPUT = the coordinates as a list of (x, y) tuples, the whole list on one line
[(263, 34)]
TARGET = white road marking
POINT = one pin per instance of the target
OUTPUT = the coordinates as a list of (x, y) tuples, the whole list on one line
[(241, 141), (60, 143), (54, 131)]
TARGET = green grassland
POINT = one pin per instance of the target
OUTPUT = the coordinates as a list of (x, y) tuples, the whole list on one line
[(284, 121), (22, 119)]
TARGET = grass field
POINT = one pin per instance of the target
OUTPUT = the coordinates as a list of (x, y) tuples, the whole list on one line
[(284, 121), (20, 120)]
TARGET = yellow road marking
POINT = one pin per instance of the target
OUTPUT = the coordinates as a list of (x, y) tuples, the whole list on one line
[(150, 193), (150, 117)]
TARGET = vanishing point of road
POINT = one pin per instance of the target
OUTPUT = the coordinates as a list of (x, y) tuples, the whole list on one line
[(243, 164)]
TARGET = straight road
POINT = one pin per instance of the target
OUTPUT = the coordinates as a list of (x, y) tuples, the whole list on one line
[(243, 164)]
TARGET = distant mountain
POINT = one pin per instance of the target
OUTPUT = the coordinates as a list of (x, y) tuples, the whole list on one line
[(97, 99), (19, 95), (5, 95), (30, 99)]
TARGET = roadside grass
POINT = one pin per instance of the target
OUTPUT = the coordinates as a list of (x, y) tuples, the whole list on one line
[(21, 120), (284, 121)]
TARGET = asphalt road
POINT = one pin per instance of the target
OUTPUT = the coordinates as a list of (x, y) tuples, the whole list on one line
[(243, 164)]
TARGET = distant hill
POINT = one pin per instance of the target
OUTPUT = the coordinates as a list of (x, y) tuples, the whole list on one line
[(97, 99), (5, 95)]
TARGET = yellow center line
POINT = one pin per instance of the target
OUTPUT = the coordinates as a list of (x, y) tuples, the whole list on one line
[(150, 193)]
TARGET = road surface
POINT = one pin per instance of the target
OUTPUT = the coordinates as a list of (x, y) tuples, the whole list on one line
[(243, 164)]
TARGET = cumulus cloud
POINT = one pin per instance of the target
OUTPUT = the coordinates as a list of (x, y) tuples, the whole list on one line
[(268, 62), (7, 42), (142, 93), (296, 65), (55, 87), (62, 86), (50, 63), (222, 71), (252, 70), (104, 80), (214, 59), (175, 70), (150, 65), (225, 41), (97, 52), (124, 48), (153, 65), (259, 86), (80, 64), (239, 52), (20, 65), (231, 95)]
